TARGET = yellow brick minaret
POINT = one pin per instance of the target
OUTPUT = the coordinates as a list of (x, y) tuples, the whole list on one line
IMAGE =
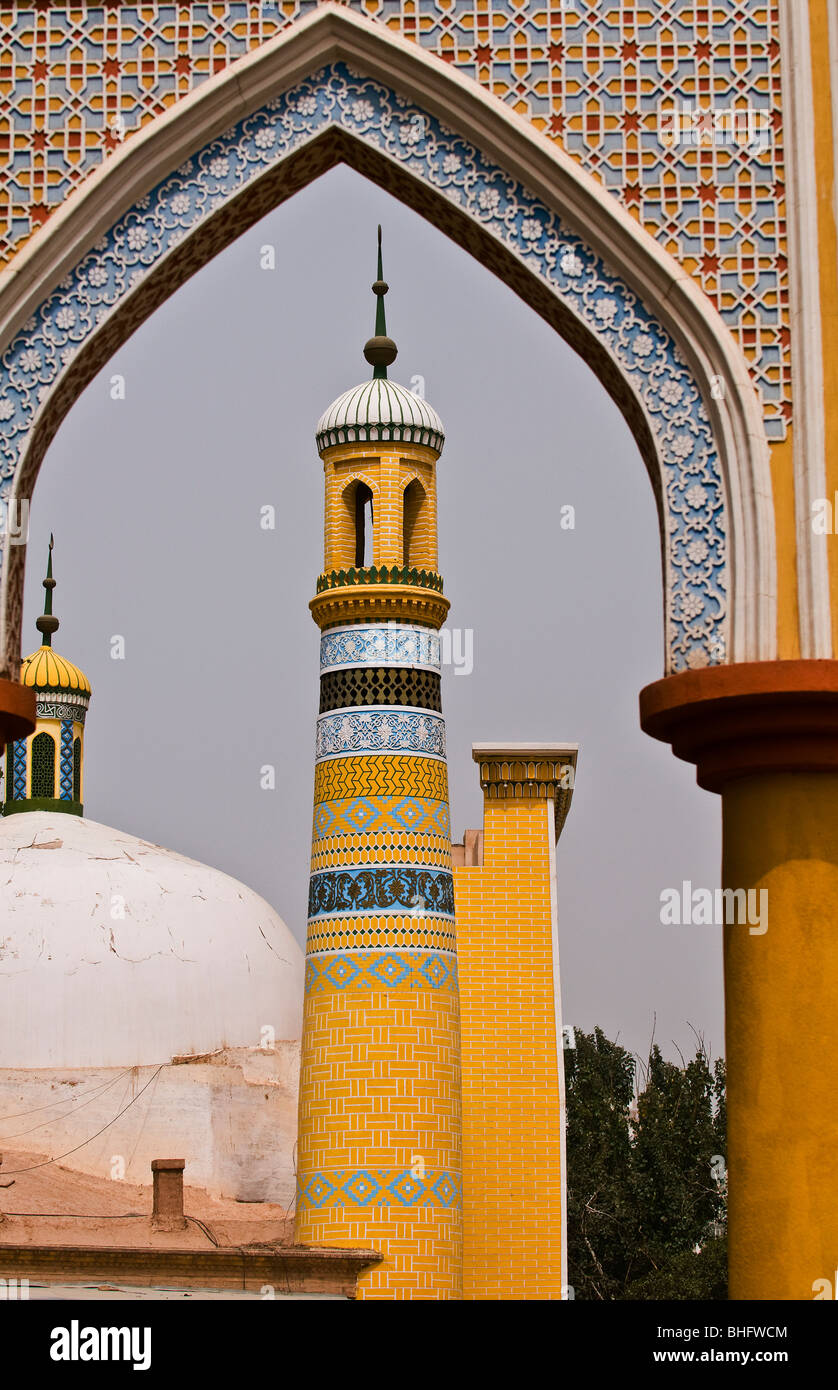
[(379, 1158)]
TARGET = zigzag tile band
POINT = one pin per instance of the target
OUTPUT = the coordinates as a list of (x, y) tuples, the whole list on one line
[(354, 777), (380, 644)]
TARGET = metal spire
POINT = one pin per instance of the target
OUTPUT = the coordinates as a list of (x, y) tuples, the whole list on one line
[(380, 351), (47, 624)]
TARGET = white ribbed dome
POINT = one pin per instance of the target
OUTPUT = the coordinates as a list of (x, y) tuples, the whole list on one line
[(117, 952), (380, 409)]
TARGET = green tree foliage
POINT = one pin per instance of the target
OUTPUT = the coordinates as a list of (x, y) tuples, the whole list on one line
[(646, 1185)]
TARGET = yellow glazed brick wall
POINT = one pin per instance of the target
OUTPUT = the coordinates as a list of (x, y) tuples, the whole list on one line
[(386, 474), (512, 1123), (379, 1089), (339, 547)]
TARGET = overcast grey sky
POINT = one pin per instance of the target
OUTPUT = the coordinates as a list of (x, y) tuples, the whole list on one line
[(155, 504)]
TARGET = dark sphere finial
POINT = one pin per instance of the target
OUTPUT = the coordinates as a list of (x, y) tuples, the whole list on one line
[(380, 350)]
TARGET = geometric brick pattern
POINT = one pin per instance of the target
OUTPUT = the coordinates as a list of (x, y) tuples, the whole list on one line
[(428, 932), (511, 1069), (373, 970), (330, 852), (380, 685), (593, 77), (380, 1091), (378, 1186), (378, 776), (369, 814)]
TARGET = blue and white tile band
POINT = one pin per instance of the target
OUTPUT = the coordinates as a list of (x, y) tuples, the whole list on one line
[(380, 644), (371, 729)]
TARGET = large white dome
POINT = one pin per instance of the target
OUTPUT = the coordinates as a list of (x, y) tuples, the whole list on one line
[(380, 409), (116, 952)]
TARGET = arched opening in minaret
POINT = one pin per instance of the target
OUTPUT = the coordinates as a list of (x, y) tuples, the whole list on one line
[(354, 541), (414, 525), (43, 765), (363, 526)]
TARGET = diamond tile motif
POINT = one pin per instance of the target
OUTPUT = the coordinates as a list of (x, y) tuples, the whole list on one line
[(341, 972), (362, 1188), (409, 812), (318, 1190), (406, 1188), (445, 1189), (390, 970), (361, 814), (436, 971)]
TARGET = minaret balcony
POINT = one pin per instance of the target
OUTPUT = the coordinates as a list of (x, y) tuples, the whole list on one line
[(379, 593)]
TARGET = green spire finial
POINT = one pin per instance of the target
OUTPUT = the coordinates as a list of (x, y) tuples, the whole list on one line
[(380, 351), (47, 624)]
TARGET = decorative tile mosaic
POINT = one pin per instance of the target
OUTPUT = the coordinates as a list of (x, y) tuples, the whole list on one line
[(380, 685), (387, 969), (350, 777), (597, 77), (380, 644), (66, 760), (380, 1187), (409, 934), (387, 888), (104, 283), (19, 770), (384, 847), (368, 815), (380, 731)]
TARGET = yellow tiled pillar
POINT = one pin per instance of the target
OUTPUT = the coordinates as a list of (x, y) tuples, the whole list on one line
[(512, 1066)]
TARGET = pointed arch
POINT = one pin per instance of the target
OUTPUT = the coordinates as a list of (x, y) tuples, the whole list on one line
[(415, 526), (337, 88)]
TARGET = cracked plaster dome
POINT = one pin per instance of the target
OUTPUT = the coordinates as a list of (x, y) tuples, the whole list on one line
[(380, 410), (115, 952)]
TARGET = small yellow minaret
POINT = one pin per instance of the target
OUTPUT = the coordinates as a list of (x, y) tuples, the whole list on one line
[(379, 1158), (45, 772)]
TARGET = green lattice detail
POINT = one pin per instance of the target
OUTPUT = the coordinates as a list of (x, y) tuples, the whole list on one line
[(340, 579), (43, 766)]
